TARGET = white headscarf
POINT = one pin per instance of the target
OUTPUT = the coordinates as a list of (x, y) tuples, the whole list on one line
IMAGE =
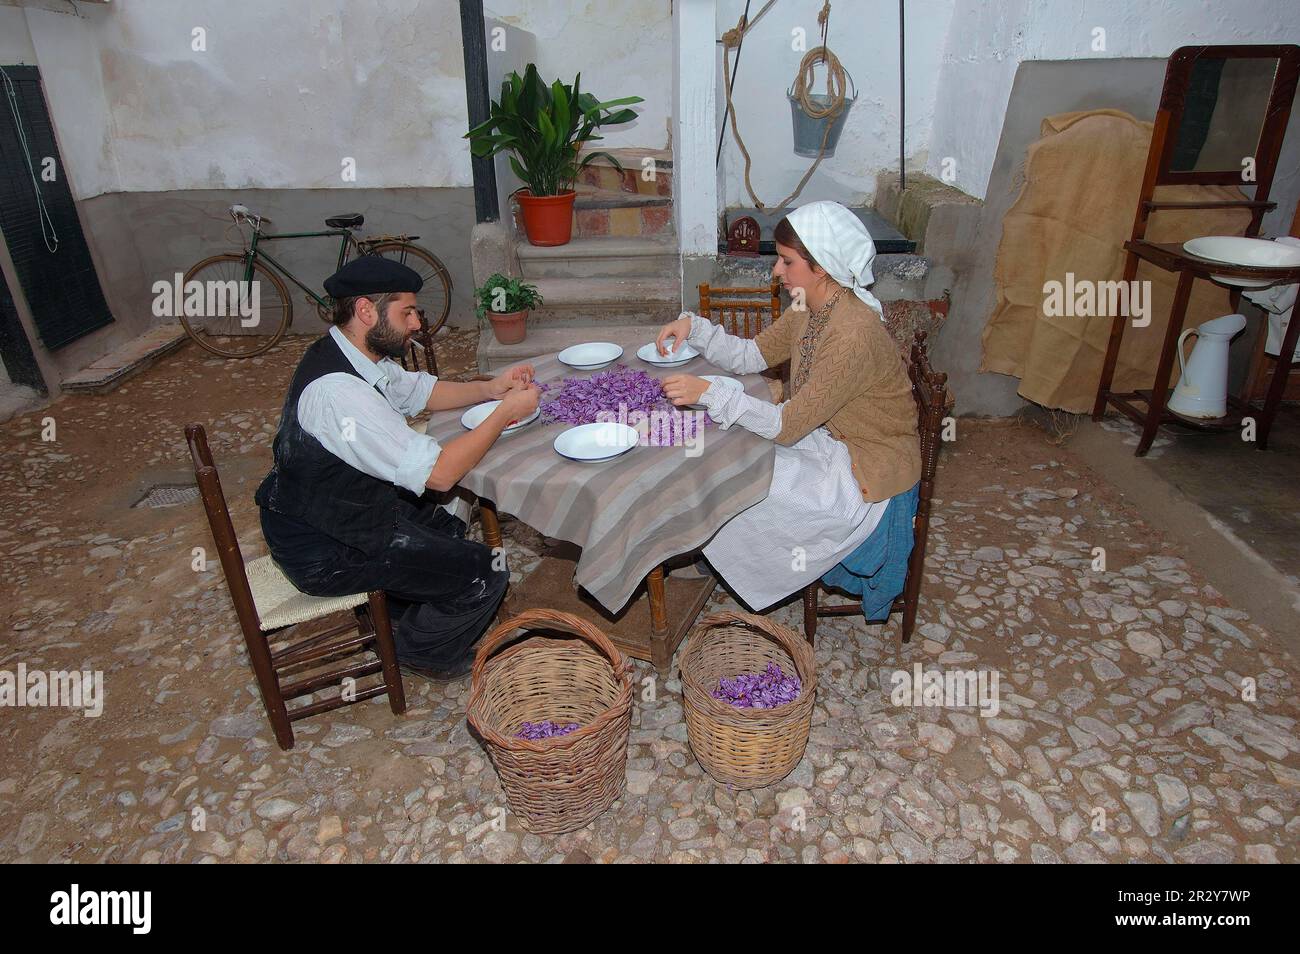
[(841, 244)]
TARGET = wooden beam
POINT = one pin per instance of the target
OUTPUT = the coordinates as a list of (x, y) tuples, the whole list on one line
[(474, 40)]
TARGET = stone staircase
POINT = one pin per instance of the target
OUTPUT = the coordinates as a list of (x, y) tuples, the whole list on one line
[(619, 277)]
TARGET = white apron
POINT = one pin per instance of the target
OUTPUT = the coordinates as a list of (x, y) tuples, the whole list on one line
[(812, 518)]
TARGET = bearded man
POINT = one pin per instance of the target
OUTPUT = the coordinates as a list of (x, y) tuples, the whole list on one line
[(344, 508)]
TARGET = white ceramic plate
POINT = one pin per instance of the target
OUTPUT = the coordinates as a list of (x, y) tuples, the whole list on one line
[(650, 355), (591, 355), (1239, 250), (596, 442), (476, 415), (722, 381)]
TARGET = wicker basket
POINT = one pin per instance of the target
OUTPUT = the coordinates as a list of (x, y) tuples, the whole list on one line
[(745, 748), (558, 784)]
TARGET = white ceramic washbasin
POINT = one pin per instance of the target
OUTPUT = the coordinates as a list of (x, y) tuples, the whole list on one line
[(1239, 250)]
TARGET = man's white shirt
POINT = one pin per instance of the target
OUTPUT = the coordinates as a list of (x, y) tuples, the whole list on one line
[(362, 421)]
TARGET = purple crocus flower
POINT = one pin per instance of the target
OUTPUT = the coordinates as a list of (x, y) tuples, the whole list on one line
[(544, 730), (765, 690)]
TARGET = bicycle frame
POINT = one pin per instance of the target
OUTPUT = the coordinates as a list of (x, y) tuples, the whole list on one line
[(254, 253)]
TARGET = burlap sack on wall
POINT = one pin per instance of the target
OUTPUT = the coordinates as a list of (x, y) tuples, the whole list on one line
[(1082, 180)]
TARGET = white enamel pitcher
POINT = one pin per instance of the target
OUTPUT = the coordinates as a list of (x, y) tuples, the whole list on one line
[(1203, 385)]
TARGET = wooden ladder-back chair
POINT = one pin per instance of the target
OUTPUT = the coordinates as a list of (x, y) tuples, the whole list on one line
[(745, 312), (933, 404), (741, 311), (267, 605), (421, 348)]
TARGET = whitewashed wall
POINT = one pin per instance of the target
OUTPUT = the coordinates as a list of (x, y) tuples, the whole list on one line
[(284, 92), (988, 41), (622, 47), (15, 41), (864, 35)]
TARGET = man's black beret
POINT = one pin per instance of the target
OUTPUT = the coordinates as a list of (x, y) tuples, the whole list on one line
[(372, 275)]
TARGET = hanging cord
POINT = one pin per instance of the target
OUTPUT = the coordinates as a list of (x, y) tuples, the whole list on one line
[(48, 232), (743, 26), (835, 90)]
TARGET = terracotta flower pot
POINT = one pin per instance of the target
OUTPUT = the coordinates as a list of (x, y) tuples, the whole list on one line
[(509, 327), (548, 219)]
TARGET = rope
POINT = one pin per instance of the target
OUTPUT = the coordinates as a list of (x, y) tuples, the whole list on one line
[(48, 232), (836, 85)]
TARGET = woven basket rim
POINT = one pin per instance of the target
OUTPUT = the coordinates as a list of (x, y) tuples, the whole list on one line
[(553, 619), (796, 647)]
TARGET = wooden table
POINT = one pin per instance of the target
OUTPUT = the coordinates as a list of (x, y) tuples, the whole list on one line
[(623, 518), (1172, 257)]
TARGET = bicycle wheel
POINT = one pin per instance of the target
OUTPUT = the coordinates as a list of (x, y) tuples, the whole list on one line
[(227, 320), (435, 296)]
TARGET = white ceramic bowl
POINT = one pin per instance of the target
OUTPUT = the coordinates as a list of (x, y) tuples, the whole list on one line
[(595, 442), (590, 355), (1239, 250), (650, 355), (477, 414)]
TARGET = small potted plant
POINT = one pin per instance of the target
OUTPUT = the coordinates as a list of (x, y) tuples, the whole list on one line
[(544, 128), (506, 302)]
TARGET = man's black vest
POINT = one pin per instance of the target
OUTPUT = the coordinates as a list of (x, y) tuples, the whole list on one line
[(311, 485)]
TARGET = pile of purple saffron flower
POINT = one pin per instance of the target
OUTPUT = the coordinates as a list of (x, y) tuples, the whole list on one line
[(765, 690), (544, 730), (624, 395)]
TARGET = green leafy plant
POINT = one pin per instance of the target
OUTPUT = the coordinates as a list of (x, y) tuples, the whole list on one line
[(514, 296), (544, 127)]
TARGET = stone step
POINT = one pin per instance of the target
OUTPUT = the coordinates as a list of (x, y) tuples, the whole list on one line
[(106, 373), (494, 356), (610, 300), (652, 256)]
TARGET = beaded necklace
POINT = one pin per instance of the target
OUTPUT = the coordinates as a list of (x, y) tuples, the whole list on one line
[(808, 345)]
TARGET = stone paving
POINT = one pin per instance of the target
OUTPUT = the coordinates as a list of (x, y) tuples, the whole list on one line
[(1139, 717)]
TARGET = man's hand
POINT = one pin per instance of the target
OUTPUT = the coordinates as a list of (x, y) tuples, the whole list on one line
[(519, 402), (462, 453), (684, 389), (511, 379)]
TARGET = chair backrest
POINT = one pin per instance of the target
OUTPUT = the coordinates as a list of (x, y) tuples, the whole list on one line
[(741, 311), (421, 346), (223, 531), (933, 405)]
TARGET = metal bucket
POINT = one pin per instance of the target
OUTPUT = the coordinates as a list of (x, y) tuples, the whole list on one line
[(808, 131)]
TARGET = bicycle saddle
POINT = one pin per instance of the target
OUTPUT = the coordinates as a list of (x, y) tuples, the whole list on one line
[(349, 220)]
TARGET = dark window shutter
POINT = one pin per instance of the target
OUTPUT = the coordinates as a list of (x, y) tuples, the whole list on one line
[(62, 288)]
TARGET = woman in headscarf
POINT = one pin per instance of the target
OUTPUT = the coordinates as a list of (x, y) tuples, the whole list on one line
[(846, 435)]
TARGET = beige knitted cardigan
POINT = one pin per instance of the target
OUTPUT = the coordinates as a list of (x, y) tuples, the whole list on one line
[(856, 386)]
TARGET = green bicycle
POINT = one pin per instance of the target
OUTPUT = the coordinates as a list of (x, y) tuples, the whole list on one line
[(241, 306)]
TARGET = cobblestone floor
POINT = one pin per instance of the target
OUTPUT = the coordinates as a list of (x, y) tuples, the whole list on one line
[(1141, 718)]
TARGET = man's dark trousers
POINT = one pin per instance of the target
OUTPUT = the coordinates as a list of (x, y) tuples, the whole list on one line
[(442, 589)]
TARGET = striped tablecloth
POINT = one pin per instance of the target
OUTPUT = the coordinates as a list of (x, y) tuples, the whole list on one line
[(631, 513)]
